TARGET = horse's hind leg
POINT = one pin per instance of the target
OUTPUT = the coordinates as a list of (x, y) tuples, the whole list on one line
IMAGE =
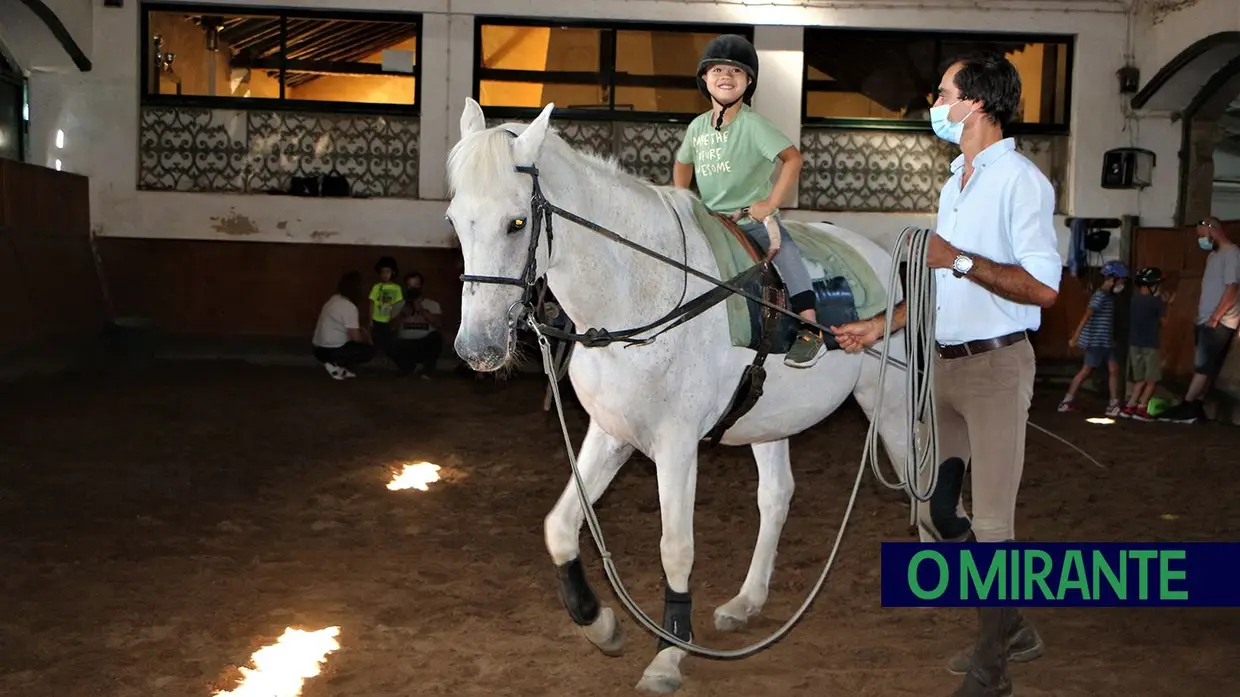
[(676, 464), (600, 459), (775, 487)]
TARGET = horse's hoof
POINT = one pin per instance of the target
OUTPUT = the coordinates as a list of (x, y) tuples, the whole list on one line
[(729, 623), (606, 633), (733, 615), (659, 684)]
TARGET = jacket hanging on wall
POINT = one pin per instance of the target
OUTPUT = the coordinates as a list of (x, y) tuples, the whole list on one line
[(1078, 260)]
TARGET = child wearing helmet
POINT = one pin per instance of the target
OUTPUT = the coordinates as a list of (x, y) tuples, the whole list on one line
[(1146, 318), (733, 151), (1095, 334)]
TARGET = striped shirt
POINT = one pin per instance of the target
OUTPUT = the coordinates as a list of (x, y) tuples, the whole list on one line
[(1097, 332)]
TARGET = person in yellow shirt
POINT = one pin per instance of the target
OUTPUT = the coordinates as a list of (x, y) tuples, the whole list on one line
[(385, 296)]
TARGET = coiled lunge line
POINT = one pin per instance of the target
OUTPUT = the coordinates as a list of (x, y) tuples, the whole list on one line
[(911, 247)]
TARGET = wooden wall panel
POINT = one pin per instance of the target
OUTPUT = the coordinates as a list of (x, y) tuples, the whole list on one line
[(223, 288), (1060, 320), (47, 271)]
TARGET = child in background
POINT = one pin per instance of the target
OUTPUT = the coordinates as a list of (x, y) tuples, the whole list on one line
[(1146, 320), (1095, 336), (384, 297)]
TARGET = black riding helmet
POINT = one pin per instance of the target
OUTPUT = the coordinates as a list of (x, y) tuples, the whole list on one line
[(729, 49), (1150, 276)]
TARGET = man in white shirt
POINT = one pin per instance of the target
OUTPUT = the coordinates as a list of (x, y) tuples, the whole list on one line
[(340, 343), (997, 264)]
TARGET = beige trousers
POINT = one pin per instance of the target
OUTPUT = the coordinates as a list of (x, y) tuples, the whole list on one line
[(983, 410)]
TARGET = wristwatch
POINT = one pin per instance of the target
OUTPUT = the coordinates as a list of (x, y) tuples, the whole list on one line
[(962, 265)]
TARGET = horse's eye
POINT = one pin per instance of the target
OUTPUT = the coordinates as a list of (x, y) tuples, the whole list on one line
[(516, 225)]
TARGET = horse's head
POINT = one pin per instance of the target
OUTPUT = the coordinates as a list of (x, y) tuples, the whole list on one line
[(491, 214)]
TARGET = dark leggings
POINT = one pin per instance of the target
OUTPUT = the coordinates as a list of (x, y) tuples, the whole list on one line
[(350, 355)]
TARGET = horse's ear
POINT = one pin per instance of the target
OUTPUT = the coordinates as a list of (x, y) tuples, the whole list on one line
[(472, 119), (529, 143)]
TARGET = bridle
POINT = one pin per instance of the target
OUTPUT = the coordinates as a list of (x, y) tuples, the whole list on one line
[(540, 213)]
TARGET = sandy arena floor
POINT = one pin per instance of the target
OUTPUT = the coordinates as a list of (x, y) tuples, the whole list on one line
[(160, 527)]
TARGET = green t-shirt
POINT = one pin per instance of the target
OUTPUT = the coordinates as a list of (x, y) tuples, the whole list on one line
[(383, 298), (733, 166)]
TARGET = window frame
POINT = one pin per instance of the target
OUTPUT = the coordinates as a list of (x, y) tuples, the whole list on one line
[(278, 103), (940, 36), (606, 75)]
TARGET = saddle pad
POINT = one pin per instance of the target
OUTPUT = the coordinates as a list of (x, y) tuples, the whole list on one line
[(827, 258)]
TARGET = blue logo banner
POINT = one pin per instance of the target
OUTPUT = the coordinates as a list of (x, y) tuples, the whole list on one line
[(1061, 574)]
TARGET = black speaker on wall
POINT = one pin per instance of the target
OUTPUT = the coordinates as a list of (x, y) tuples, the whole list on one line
[(113, 3), (1127, 168)]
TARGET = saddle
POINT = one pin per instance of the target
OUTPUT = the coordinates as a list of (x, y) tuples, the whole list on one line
[(769, 331)]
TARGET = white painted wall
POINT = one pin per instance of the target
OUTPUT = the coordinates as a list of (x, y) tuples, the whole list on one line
[(99, 112), (31, 42), (1164, 33)]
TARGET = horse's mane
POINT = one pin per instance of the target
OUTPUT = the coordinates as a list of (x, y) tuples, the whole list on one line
[(484, 159)]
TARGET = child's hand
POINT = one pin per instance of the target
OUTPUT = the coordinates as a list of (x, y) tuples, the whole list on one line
[(761, 210)]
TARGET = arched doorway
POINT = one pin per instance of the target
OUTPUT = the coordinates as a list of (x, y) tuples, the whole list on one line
[(1202, 87)]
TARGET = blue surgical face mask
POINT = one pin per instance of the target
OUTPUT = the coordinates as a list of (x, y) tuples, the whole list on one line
[(943, 127), (1205, 243)]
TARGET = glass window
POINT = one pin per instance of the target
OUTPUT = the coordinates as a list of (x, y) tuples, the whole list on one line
[(896, 83), (193, 54), (600, 71)]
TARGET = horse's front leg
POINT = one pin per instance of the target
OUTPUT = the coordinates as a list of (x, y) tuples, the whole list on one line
[(600, 459), (775, 487), (676, 464)]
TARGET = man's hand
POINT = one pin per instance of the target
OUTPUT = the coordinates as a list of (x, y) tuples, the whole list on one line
[(1212, 322), (940, 254), (855, 337)]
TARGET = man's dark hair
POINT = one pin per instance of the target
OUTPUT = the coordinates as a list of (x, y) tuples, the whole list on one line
[(991, 79), (415, 274), (350, 286)]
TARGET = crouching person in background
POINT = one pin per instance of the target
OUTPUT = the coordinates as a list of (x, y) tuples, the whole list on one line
[(340, 343), (418, 339)]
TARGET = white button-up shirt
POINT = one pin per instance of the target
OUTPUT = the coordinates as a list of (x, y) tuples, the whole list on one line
[(1006, 214)]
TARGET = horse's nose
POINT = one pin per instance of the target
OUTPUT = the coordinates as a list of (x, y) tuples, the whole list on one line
[(482, 357)]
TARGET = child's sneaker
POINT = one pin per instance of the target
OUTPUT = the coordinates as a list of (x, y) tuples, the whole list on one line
[(335, 371), (1066, 405), (1141, 413), (1128, 411), (1113, 409)]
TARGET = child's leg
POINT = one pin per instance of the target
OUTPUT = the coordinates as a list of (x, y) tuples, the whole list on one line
[(808, 347), (1113, 379), (1075, 385)]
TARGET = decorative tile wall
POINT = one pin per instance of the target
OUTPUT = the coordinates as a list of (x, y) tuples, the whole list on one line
[(899, 171), (644, 149), (230, 151), (844, 170)]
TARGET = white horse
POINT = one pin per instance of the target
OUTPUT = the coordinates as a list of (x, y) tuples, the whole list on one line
[(660, 398)]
